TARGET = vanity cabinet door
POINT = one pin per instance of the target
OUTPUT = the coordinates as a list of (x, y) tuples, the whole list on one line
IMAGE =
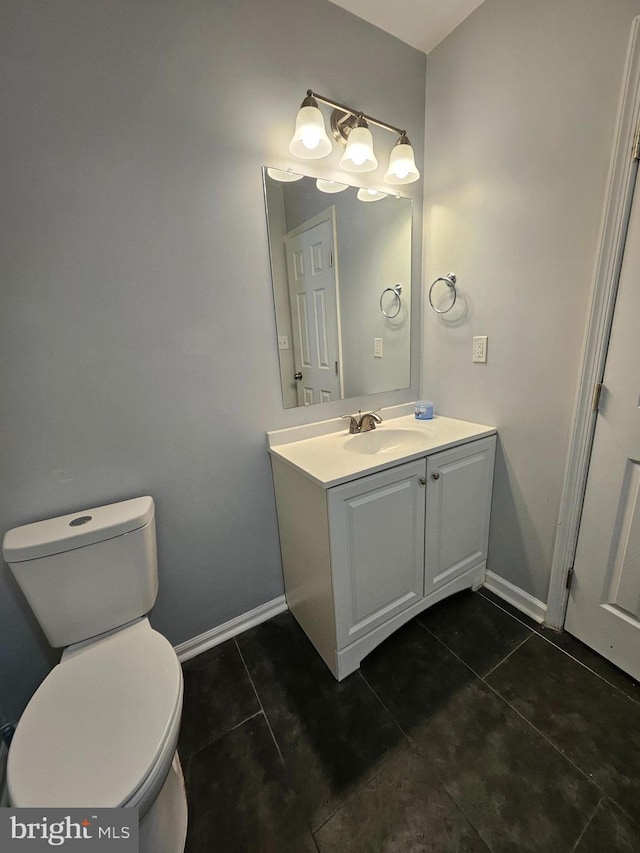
[(459, 486), (377, 548)]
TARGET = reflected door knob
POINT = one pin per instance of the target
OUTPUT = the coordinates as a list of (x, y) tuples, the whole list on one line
[(297, 376)]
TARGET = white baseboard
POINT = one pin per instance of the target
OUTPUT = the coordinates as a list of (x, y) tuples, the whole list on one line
[(215, 636), (517, 597)]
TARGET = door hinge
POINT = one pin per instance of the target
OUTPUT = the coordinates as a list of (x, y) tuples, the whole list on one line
[(570, 574), (597, 393), (636, 146), (330, 259), (337, 371)]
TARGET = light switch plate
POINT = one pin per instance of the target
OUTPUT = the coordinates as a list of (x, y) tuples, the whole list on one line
[(377, 347), (283, 342)]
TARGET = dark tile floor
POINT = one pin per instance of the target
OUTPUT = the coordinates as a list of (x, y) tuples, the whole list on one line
[(470, 729)]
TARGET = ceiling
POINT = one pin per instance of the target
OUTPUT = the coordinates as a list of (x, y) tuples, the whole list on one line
[(420, 23)]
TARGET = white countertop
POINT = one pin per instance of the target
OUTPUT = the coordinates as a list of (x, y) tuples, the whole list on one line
[(334, 457)]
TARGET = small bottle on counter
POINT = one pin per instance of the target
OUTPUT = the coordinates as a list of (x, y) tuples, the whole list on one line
[(424, 410)]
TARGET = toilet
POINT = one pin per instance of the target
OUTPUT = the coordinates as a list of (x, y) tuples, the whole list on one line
[(102, 728)]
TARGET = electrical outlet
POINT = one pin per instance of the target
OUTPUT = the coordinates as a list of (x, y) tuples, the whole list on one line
[(283, 342), (480, 349), (377, 347)]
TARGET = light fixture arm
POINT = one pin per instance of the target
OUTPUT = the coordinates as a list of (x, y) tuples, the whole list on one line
[(357, 113)]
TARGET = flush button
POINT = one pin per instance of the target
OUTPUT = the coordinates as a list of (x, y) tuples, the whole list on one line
[(81, 519)]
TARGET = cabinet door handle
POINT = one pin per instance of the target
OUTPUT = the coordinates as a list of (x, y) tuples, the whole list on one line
[(435, 475), (423, 481)]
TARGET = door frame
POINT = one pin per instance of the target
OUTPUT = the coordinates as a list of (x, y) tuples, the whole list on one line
[(613, 231), (326, 215)]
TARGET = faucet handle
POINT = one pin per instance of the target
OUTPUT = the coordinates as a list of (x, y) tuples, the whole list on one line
[(369, 420), (354, 426)]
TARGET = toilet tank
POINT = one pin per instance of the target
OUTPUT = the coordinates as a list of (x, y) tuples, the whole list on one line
[(87, 572)]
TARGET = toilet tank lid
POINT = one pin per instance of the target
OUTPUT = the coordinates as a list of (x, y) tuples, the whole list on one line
[(76, 530)]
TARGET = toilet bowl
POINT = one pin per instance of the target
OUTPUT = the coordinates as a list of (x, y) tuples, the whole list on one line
[(102, 729)]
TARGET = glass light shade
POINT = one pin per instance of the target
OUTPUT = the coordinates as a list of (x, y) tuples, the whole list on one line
[(402, 164), (370, 195), (310, 140), (359, 156), (330, 186), (284, 176)]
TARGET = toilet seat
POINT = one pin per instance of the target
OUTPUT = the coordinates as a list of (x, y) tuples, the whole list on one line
[(101, 730)]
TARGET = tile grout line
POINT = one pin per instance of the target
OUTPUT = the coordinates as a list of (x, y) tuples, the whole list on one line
[(222, 734), (588, 668), (412, 745), (276, 744), (587, 824), (351, 796), (546, 738), (380, 769), (445, 646), (259, 700), (363, 677), (506, 657), (538, 633), (522, 717)]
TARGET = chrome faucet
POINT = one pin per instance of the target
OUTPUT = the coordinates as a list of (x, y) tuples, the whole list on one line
[(363, 423)]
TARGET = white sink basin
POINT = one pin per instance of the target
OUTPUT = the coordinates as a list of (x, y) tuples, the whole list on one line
[(381, 441), (329, 456)]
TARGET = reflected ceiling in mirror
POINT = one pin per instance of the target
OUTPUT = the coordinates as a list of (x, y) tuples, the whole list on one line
[(338, 254)]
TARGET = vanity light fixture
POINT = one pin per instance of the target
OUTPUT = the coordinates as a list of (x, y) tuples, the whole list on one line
[(402, 163), (359, 156), (330, 186), (310, 140), (350, 128), (364, 194), (286, 176)]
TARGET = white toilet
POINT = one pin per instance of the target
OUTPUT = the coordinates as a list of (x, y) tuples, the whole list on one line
[(102, 728)]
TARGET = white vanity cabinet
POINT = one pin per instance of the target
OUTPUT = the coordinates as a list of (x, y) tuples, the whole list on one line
[(459, 483), (363, 557), (376, 527)]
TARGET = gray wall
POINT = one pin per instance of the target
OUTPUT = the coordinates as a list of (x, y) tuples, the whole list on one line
[(138, 351), (521, 109)]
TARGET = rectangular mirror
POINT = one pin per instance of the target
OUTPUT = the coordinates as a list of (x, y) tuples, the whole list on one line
[(341, 270)]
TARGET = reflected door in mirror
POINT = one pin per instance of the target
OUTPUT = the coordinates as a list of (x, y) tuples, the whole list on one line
[(314, 307)]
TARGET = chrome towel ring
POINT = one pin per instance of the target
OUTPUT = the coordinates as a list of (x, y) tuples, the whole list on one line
[(397, 290), (450, 280)]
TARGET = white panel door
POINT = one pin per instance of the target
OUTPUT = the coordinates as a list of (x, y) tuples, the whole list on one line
[(604, 603), (459, 488), (314, 313), (377, 548)]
